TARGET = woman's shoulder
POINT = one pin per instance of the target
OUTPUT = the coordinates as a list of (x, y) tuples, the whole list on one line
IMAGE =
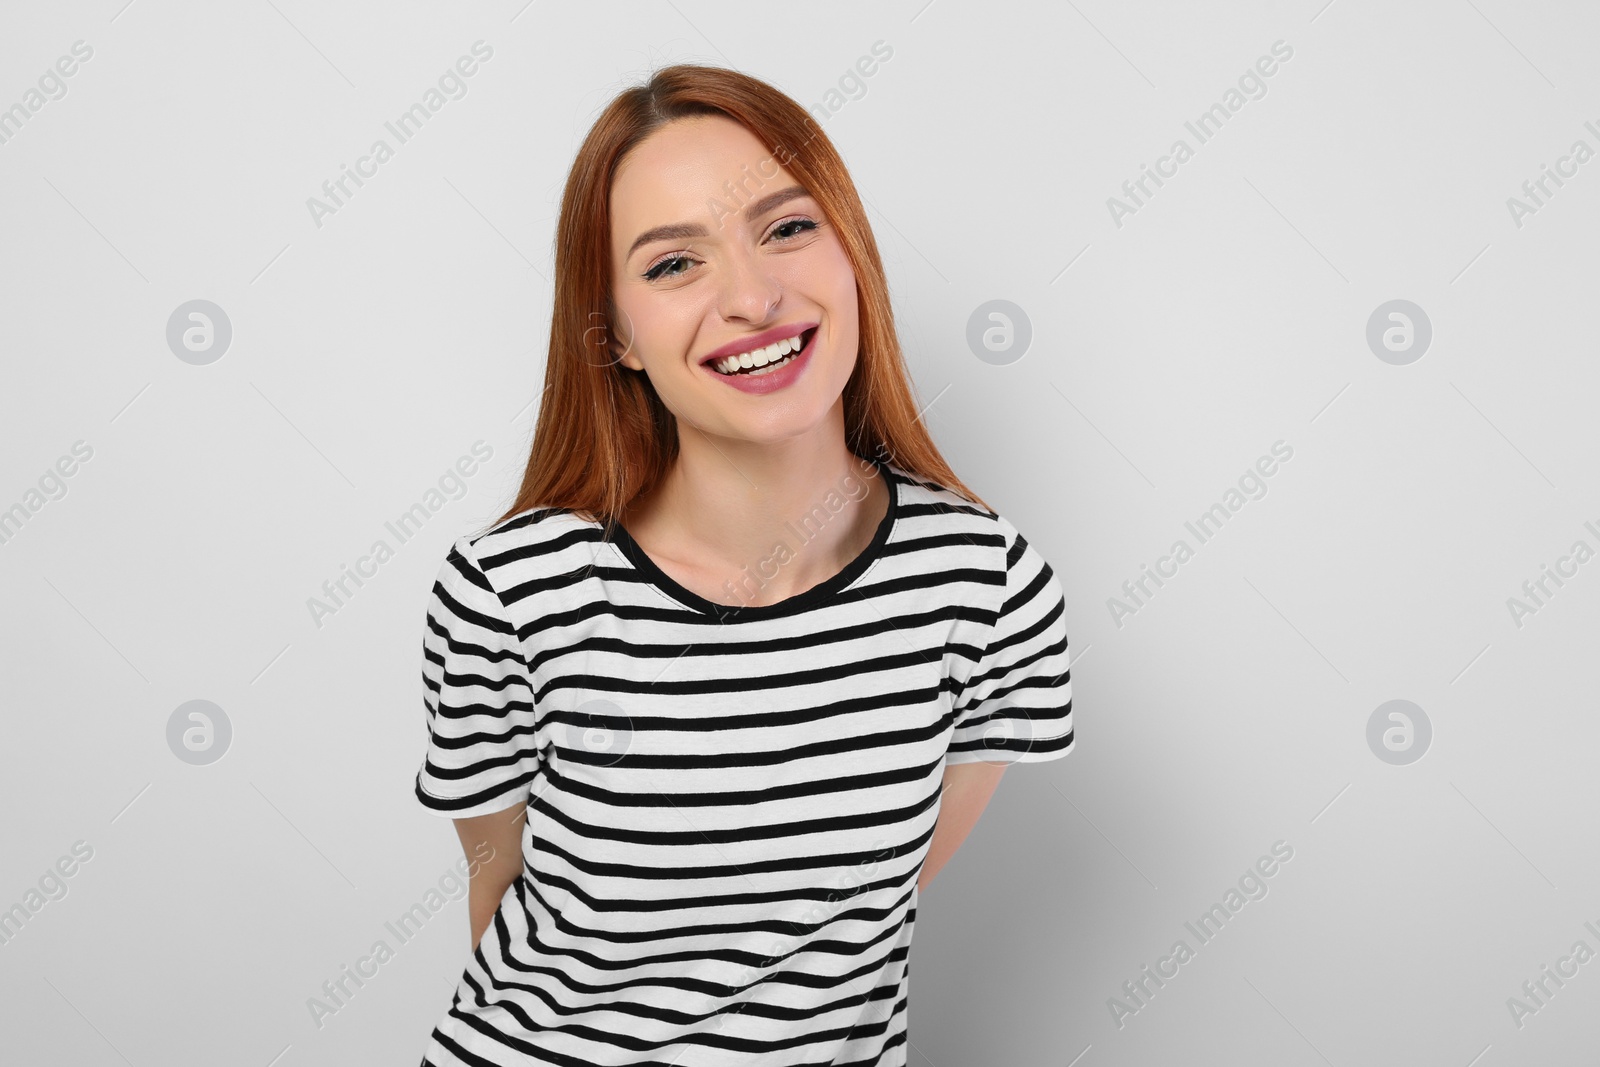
[(535, 542), (927, 502)]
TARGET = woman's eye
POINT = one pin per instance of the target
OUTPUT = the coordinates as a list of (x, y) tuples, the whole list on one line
[(660, 269), (804, 224), (674, 266)]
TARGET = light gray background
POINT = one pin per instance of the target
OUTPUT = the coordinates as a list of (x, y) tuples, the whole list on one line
[(1168, 353)]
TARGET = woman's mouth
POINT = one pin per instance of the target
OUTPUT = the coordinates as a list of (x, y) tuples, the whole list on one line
[(766, 360)]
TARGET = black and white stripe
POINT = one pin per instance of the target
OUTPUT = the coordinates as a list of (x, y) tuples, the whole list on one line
[(727, 807)]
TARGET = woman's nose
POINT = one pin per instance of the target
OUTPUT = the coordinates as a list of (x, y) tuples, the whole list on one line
[(750, 291)]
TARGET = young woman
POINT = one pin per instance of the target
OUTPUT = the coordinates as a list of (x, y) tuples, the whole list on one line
[(741, 666)]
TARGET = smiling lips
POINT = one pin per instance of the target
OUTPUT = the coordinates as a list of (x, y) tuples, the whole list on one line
[(762, 350), (761, 360)]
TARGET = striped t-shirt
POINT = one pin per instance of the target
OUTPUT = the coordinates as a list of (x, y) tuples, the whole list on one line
[(727, 807)]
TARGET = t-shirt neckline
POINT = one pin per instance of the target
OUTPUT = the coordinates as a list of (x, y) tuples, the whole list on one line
[(802, 601)]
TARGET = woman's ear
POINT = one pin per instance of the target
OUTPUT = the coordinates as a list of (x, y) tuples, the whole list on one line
[(622, 350)]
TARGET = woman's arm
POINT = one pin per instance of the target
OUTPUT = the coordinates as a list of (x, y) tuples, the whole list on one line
[(497, 836), (967, 789)]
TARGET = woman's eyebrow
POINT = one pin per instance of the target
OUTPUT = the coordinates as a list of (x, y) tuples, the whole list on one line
[(676, 230), (670, 232)]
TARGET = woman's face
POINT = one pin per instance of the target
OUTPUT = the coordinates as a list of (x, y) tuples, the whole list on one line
[(735, 256)]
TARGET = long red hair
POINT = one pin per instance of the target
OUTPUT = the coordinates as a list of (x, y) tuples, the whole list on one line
[(602, 435)]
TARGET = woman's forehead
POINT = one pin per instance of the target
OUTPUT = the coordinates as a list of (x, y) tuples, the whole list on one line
[(696, 171)]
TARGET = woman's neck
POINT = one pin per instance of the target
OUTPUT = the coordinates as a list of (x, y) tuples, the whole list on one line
[(781, 516)]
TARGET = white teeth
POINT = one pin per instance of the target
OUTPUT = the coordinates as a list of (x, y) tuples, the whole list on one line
[(759, 357)]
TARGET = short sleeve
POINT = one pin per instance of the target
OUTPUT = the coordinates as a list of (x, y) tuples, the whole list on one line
[(477, 690), (1016, 706)]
